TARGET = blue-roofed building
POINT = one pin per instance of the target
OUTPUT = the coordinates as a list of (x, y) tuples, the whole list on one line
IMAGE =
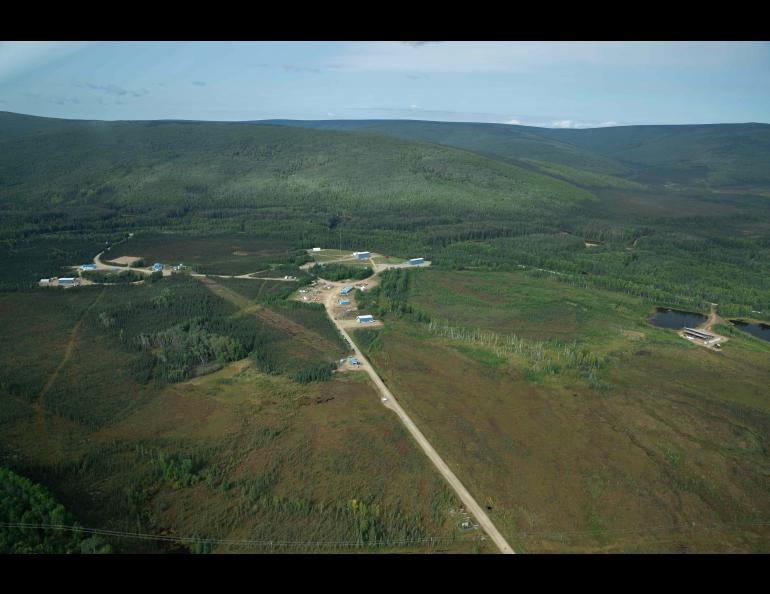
[(353, 361), (345, 290), (88, 267), (157, 267), (344, 301), (362, 255), (364, 319), (416, 261)]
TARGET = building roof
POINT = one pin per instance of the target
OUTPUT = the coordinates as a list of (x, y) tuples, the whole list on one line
[(698, 333)]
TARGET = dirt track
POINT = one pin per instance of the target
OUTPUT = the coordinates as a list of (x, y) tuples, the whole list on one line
[(390, 401), (68, 349)]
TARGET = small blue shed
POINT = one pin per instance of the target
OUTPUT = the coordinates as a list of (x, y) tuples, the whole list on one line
[(345, 290), (344, 302), (415, 261), (365, 318)]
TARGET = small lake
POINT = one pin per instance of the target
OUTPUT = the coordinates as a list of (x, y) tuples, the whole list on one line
[(675, 319), (759, 330)]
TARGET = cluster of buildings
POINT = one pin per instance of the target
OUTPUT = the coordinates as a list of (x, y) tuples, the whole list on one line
[(362, 319)]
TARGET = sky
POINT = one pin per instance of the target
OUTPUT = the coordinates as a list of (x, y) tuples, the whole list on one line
[(549, 84)]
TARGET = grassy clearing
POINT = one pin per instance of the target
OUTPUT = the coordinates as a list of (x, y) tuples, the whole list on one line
[(213, 254), (258, 290), (665, 451)]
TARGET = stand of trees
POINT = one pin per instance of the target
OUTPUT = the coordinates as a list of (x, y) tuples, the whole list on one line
[(23, 502), (336, 272)]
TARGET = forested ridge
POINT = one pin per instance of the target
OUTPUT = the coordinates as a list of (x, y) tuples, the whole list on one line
[(525, 197)]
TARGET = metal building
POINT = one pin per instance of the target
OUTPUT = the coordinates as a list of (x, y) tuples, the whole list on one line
[(415, 261), (365, 318), (705, 337), (362, 255)]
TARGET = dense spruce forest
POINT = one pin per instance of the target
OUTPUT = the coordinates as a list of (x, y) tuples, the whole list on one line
[(23, 505), (498, 198)]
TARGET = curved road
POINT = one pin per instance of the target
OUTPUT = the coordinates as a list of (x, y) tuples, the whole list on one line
[(389, 401)]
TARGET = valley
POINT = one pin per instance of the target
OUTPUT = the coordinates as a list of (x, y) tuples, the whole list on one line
[(511, 392)]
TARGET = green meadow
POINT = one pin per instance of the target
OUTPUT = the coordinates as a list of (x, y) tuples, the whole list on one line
[(581, 426)]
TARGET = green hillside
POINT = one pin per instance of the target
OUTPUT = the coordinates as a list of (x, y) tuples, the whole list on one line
[(709, 155), (116, 172), (713, 155), (497, 140), (67, 187)]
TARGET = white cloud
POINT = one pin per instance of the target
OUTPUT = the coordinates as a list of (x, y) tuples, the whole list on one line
[(523, 56), (111, 89), (573, 124), (513, 122), (20, 57)]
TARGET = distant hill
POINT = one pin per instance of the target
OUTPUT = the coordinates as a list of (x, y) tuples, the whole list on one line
[(715, 155), (498, 140), (110, 174)]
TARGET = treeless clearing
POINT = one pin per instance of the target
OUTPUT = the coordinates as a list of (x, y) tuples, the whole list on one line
[(123, 260)]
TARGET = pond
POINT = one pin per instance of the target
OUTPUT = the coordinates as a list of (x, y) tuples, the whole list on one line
[(675, 319), (759, 329)]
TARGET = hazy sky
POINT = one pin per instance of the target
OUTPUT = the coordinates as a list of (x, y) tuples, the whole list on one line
[(557, 84)]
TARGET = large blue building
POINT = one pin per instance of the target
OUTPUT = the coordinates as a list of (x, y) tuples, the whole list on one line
[(362, 255), (415, 261)]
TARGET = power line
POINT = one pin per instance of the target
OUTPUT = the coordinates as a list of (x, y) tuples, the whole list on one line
[(231, 542), (402, 542)]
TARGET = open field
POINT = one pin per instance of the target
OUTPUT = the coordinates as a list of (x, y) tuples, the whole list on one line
[(514, 302), (123, 260), (217, 254), (661, 447)]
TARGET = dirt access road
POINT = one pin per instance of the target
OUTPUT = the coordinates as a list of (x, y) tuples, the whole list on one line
[(390, 401)]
